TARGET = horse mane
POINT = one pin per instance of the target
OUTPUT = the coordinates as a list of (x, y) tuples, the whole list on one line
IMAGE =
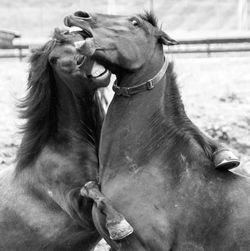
[(188, 130), (94, 117), (150, 17), (39, 105)]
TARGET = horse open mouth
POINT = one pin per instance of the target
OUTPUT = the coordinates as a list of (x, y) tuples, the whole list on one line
[(86, 46), (99, 72), (78, 25), (80, 59), (83, 32)]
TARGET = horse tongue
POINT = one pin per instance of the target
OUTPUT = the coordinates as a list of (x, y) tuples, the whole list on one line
[(97, 70), (86, 47)]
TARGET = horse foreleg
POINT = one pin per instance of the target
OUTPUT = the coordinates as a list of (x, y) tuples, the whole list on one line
[(222, 157), (116, 224)]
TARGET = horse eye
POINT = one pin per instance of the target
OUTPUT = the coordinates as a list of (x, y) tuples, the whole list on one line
[(53, 60), (134, 22)]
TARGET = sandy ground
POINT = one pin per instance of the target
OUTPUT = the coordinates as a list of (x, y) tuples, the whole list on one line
[(216, 94)]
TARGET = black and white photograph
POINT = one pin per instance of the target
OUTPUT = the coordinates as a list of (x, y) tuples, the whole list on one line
[(125, 125)]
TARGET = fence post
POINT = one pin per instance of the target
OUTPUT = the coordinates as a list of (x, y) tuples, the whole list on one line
[(20, 54), (208, 50), (242, 15), (151, 5), (111, 7)]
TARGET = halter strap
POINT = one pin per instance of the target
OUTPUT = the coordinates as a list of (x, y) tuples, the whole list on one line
[(146, 86)]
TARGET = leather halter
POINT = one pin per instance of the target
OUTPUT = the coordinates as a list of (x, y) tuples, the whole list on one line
[(146, 86)]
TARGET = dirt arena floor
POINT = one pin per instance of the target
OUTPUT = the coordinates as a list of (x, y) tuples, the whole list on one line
[(215, 91)]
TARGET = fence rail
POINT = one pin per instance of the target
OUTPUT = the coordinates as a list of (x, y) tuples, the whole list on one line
[(212, 44), (194, 44)]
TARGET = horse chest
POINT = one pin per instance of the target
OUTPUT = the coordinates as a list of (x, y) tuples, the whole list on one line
[(37, 214), (29, 222)]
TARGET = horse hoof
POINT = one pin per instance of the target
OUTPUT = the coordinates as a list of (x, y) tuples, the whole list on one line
[(226, 165), (84, 192), (91, 184), (87, 187), (119, 230), (224, 159)]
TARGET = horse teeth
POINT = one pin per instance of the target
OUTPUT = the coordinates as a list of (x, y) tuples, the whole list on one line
[(79, 44), (97, 73), (74, 29), (97, 70)]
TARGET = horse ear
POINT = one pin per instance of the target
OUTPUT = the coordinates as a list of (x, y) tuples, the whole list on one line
[(164, 38)]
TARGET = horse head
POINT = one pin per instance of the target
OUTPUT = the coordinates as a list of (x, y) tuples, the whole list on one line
[(58, 73), (81, 74), (120, 42)]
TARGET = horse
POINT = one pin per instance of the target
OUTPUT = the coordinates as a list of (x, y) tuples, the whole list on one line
[(40, 203), (155, 164)]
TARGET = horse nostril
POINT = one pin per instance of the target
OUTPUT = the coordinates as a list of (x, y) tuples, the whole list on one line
[(82, 14)]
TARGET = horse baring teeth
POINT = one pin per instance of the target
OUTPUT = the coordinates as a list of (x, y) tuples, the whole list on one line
[(74, 29), (79, 44), (97, 70)]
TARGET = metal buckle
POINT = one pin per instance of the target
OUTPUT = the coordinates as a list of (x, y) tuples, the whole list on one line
[(125, 91), (121, 91), (150, 85), (117, 89)]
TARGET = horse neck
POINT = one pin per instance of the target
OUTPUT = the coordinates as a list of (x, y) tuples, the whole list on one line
[(68, 158), (153, 123), (162, 103), (79, 116), (70, 110), (147, 71), (67, 122)]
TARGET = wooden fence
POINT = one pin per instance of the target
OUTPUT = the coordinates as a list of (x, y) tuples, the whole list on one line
[(212, 44), (194, 44)]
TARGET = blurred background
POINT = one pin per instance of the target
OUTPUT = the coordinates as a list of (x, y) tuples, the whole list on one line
[(212, 61), (35, 19)]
